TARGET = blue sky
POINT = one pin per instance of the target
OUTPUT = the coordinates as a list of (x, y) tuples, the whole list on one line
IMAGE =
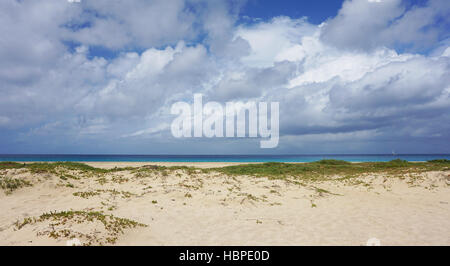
[(360, 76), (316, 11)]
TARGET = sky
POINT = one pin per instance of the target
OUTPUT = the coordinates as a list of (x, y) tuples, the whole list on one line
[(100, 77)]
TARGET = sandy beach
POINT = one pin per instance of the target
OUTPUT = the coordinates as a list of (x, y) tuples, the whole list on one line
[(190, 206), (110, 165)]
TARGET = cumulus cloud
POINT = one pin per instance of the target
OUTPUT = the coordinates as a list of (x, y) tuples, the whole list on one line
[(116, 24), (359, 82), (144, 87), (366, 25), (275, 41), (344, 91), (252, 82)]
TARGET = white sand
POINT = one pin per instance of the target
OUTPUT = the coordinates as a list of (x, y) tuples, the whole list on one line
[(109, 165), (213, 209)]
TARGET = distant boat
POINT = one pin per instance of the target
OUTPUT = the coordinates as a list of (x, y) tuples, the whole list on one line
[(393, 153)]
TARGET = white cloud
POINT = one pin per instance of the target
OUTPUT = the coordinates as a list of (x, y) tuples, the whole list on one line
[(117, 24), (338, 91), (366, 25), (335, 82), (273, 41)]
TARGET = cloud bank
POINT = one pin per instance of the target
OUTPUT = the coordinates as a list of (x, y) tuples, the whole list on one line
[(100, 76)]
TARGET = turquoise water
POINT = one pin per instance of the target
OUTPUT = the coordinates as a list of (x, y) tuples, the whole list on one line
[(221, 158)]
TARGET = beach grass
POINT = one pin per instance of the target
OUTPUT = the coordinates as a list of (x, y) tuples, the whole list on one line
[(9, 184), (51, 167), (314, 171), (114, 226), (327, 168)]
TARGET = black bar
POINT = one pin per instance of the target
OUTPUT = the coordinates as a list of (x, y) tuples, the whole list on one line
[(225, 255)]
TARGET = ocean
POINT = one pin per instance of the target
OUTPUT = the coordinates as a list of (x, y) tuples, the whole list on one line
[(219, 158)]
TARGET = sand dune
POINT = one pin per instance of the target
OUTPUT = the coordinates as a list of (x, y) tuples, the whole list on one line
[(182, 207)]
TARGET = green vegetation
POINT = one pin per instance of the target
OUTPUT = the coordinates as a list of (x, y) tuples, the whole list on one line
[(10, 165), (113, 226), (314, 171), (53, 166), (325, 169), (164, 170), (25, 221), (10, 184), (67, 176), (88, 194), (57, 167), (333, 162), (443, 161)]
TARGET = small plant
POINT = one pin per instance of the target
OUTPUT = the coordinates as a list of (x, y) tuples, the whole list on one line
[(113, 226), (119, 179), (86, 194), (322, 191), (25, 221), (275, 192), (10, 184), (102, 180)]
